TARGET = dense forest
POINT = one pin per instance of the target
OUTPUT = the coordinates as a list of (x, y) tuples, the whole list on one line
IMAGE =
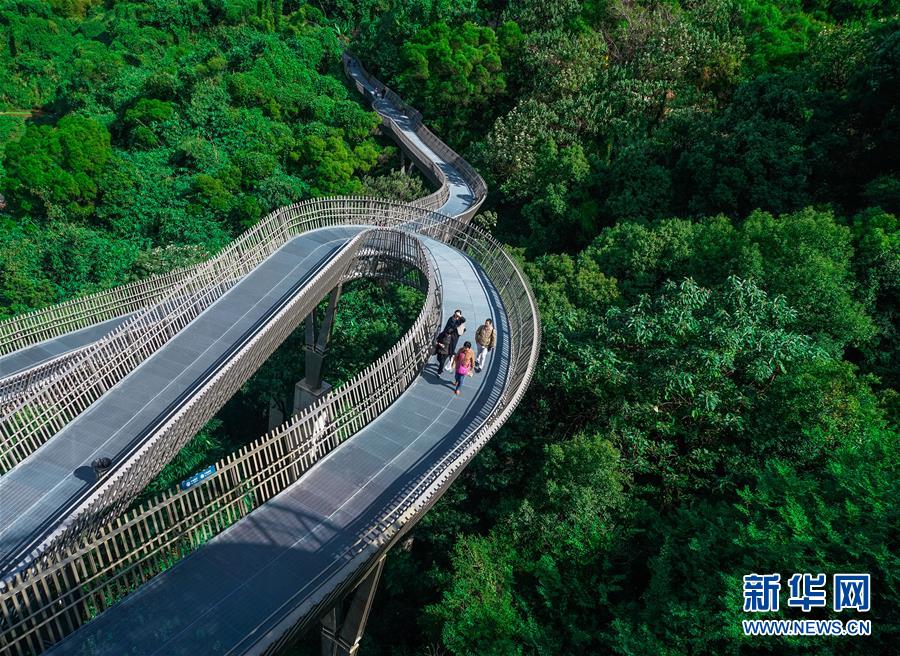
[(703, 193)]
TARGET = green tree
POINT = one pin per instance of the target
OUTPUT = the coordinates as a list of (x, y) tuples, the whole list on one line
[(536, 577), (455, 73), (806, 256), (396, 185), (876, 263), (51, 172)]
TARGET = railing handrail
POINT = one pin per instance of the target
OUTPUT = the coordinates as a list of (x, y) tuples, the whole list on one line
[(41, 324)]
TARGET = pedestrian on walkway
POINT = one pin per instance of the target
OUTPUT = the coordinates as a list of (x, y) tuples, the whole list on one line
[(464, 363), (443, 348), (456, 324), (485, 340)]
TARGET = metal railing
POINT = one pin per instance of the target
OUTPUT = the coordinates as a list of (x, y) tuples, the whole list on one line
[(38, 325), (45, 410), (72, 392), (15, 387)]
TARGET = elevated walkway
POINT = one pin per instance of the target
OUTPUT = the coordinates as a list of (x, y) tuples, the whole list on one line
[(48, 486), (270, 575), (42, 352), (287, 559)]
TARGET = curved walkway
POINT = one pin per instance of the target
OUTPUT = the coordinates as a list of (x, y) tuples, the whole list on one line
[(280, 567)]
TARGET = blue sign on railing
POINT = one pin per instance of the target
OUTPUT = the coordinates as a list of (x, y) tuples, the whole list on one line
[(199, 477)]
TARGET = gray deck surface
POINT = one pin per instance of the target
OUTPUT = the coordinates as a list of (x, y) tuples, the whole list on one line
[(39, 353), (38, 490), (225, 596)]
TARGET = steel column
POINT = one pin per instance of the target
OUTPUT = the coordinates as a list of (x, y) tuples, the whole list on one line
[(317, 345)]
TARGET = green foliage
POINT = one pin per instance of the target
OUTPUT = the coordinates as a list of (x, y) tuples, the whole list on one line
[(459, 67), (707, 397), (205, 447), (51, 172), (370, 318), (144, 119), (681, 371), (841, 518), (166, 258), (752, 154), (535, 578), (876, 262), (22, 284), (41, 266), (699, 389), (778, 34), (396, 185), (805, 256)]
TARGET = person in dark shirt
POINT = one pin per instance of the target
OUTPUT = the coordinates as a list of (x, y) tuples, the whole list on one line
[(456, 324), (442, 348)]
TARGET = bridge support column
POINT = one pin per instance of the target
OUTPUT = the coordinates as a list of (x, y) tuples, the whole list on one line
[(312, 388), (342, 631)]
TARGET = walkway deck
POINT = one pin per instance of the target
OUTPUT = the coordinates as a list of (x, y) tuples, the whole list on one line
[(33, 356), (283, 563)]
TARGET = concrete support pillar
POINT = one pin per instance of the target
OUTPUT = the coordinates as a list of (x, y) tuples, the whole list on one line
[(342, 629), (305, 396)]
